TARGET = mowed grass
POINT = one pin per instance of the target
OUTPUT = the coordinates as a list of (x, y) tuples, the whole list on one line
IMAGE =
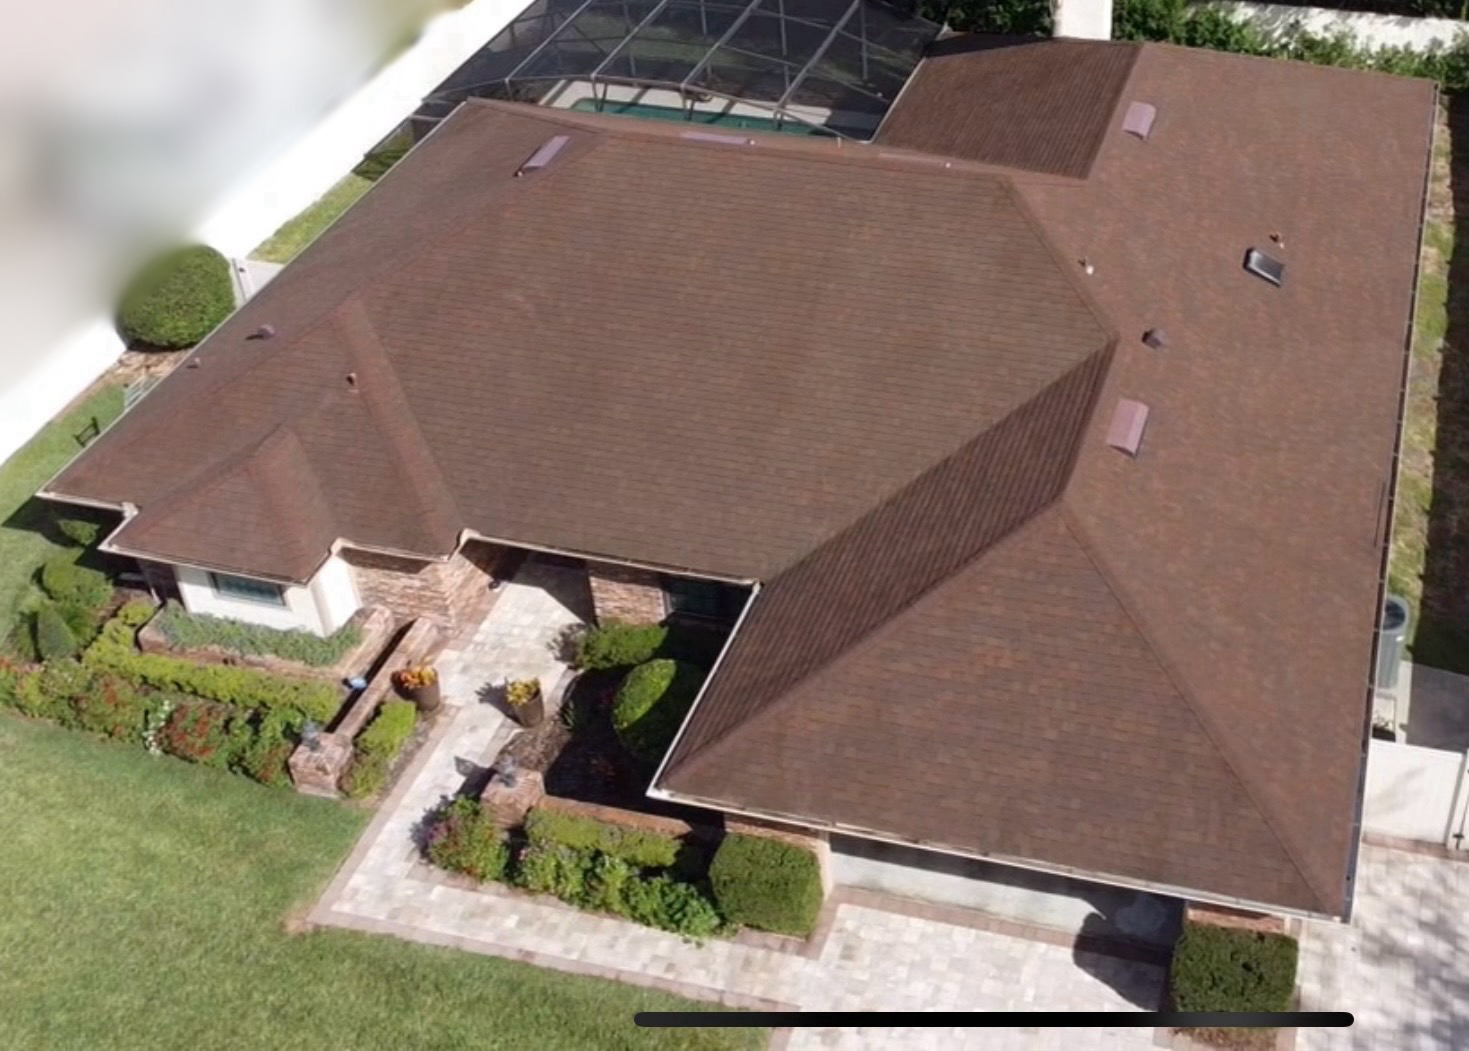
[(146, 904), (287, 242), (23, 543)]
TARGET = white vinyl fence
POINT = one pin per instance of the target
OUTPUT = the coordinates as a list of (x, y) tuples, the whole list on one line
[(1417, 793)]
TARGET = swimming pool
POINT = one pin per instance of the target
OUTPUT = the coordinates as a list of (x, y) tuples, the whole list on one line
[(723, 120)]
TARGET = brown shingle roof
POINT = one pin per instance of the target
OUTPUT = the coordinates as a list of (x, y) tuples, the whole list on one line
[(1017, 102), (881, 386)]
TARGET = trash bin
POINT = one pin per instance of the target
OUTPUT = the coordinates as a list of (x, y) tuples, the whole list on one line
[(1390, 646)]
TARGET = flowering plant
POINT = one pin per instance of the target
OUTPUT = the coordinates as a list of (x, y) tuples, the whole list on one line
[(416, 677), (522, 692)]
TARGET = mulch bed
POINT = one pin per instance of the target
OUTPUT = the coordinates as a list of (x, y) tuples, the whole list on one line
[(578, 754)]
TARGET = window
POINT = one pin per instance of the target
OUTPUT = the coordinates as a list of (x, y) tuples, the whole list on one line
[(703, 598), (247, 589)]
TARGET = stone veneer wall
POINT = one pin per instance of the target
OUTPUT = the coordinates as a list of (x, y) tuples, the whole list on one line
[(441, 591), (624, 593)]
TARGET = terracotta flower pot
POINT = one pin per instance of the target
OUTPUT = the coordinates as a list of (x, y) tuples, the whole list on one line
[(428, 698)]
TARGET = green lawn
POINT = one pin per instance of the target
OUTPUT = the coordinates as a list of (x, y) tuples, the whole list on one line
[(146, 905), (23, 547), (287, 242)]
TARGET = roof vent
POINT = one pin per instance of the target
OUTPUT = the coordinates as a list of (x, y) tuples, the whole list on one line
[(714, 136), (1155, 338), (352, 382), (545, 155), (1128, 421), (1264, 266), (263, 332), (1139, 119)]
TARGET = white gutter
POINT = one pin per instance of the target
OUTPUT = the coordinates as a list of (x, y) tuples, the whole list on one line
[(653, 789)]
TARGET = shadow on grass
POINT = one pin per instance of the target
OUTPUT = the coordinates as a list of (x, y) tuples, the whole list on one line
[(1442, 636)]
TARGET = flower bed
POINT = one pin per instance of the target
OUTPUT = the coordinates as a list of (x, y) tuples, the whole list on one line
[(233, 718), (378, 747), (185, 630)]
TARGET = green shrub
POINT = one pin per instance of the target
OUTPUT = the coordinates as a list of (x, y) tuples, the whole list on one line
[(178, 298), (136, 613), (11, 677), (71, 584), (617, 644), (1020, 17), (200, 731), (267, 756), (49, 692), (113, 708), (591, 880), (192, 631), (54, 640), (651, 704), (466, 839), (389, 730), (366, 776), (670, 905), (639, 847), (1227, 969), (114, 651), (767, 883), (80, 531), (81, 621)]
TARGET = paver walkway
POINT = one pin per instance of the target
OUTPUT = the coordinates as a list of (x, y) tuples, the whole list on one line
[(867, 958), (1400, 967)]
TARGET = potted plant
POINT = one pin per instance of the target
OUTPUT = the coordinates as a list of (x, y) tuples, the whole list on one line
[(526, 702), (420, 684)]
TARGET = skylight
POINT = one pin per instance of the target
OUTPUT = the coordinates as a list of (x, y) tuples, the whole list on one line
[(1265, 266)]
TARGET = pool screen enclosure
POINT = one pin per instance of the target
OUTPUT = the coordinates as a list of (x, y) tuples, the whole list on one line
[(830, 64)]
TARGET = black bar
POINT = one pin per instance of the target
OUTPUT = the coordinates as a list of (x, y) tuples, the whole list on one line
[(1052, 1019)]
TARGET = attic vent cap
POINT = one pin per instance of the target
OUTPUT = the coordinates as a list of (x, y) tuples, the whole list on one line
[(1129, 420), (263, 332), (1155, 338), (545, 155), (1266, 267), (1139, 119), (352, 381)]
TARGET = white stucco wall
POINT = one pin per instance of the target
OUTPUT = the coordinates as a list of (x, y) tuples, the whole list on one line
[(335, 594), (1083, 19), (200, 597)]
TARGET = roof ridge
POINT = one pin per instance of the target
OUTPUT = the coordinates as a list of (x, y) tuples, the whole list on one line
[(392, 415), (700, 755), (1091, 370), (873, 154), (1082, 537)]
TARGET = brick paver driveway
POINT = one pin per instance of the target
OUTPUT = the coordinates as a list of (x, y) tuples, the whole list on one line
[(1400, 967)]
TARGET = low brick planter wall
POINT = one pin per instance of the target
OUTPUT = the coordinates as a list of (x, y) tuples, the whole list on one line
[(320, 772), (375, 623), (1218, 916)]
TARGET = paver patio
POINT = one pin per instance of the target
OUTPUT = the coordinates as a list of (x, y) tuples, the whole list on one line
[(1400, 966), (865, 958)]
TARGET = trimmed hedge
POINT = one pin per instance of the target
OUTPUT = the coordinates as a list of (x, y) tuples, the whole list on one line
[(71, 584), (465, 839), (651, 704), (80, 531), (600, 882), (767, 883), (639, 847), (115, 651), (616, 644), (194, 631), (54, 638), (377, 746), (390, 728), (178, 298), (1228, 969)]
